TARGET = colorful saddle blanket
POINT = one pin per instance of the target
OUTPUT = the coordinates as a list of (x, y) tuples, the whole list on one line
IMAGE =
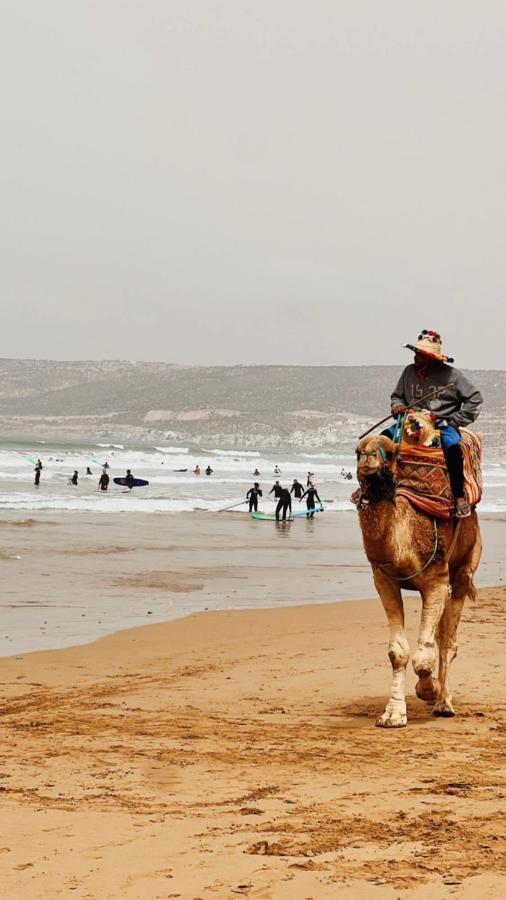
[(423, 476)]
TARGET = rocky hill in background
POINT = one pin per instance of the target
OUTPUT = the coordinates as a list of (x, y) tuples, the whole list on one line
[(236, 406)]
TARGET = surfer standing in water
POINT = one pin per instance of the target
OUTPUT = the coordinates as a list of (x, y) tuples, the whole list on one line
[(311, 493), (104, 481), (253, 494), (38, 470), (296, 489), (129, 479), (284, 504), (276, 488)]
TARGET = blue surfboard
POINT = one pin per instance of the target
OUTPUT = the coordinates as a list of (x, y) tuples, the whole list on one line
[(137, 482)]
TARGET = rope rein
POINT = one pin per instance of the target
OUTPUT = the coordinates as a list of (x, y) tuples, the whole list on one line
[(427, 564)]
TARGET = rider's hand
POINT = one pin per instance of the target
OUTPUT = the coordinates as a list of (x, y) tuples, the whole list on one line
[(398, 410)]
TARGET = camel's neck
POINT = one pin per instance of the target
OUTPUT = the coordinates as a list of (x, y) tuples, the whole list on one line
[(379, 530)]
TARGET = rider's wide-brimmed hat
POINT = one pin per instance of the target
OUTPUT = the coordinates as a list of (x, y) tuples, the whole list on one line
[(429, 343)]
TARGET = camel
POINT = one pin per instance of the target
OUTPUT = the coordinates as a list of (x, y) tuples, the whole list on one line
[(408, 548)]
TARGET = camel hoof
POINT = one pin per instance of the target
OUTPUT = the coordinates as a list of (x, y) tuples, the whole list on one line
[(392, 720), (427, 692), (443, 708)]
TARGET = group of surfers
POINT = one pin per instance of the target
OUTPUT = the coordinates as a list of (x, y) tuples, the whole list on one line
[(284, 497)]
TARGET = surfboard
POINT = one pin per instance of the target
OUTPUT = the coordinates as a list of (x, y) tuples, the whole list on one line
[(264, 518), (137, 482), (296, 515), (308, 511)]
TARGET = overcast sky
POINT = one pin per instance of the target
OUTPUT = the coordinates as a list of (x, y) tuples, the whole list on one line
[(278, 181)]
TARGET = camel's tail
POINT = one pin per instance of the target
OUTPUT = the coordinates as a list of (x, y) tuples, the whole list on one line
[(472, 593), (463, 586)]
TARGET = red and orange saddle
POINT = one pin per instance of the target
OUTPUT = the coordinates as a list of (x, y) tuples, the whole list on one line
[(423, 477)]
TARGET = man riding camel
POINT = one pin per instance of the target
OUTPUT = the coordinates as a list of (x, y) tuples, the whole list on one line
[(456, 406)]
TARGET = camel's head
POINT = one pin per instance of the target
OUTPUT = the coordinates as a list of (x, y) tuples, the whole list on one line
[(376, 467), (374, 455), (420, 429)]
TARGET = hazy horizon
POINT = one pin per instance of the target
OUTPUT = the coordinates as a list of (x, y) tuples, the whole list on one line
[(245, 364), (278, 184)]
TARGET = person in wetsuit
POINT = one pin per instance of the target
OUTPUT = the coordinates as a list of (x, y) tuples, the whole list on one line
[(253, 494), (129, 479), (311, 493), (277, 470), (256, 473), (88, 471), (284, 504), (75, 476), (296, 489), (38, 470), (104, 481), (209, 471), (277, 490)]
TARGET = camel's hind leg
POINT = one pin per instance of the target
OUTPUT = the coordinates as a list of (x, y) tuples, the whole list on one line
[(462, 587), (434, 599), (398, 651), (447, 642)]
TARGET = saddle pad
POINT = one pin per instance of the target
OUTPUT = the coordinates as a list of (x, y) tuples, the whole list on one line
[(423, 480)]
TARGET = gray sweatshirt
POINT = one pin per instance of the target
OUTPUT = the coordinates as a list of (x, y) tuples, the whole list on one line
[(458, 406)]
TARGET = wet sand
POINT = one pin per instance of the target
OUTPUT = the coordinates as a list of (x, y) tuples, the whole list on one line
[(71, 578)]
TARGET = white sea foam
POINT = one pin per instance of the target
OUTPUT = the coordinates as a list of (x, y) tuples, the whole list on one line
[(172, 449), (171, 490), (116, 446), (246, 453)]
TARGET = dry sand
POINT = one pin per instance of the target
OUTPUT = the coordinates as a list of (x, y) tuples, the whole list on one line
[(234, 753)]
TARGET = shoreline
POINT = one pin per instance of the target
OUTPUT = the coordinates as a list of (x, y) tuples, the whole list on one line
[(235, 753), (70, 580), (83, 578)]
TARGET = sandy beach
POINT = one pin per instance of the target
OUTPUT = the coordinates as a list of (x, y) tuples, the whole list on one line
[(234, 752)]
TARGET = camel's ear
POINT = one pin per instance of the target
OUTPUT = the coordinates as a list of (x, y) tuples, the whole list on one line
[(389, 448)]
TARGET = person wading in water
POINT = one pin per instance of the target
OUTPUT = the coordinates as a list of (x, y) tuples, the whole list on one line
[(311, 493), (253, 494), (296, 489), (284, 504)]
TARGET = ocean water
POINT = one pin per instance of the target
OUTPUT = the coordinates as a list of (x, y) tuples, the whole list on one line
[(173, 491)]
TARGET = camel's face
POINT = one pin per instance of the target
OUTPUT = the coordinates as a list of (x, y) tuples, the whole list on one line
[(373, 454)]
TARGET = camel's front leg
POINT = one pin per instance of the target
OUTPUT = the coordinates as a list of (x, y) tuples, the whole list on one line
[(398, 651), (434, 598)]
